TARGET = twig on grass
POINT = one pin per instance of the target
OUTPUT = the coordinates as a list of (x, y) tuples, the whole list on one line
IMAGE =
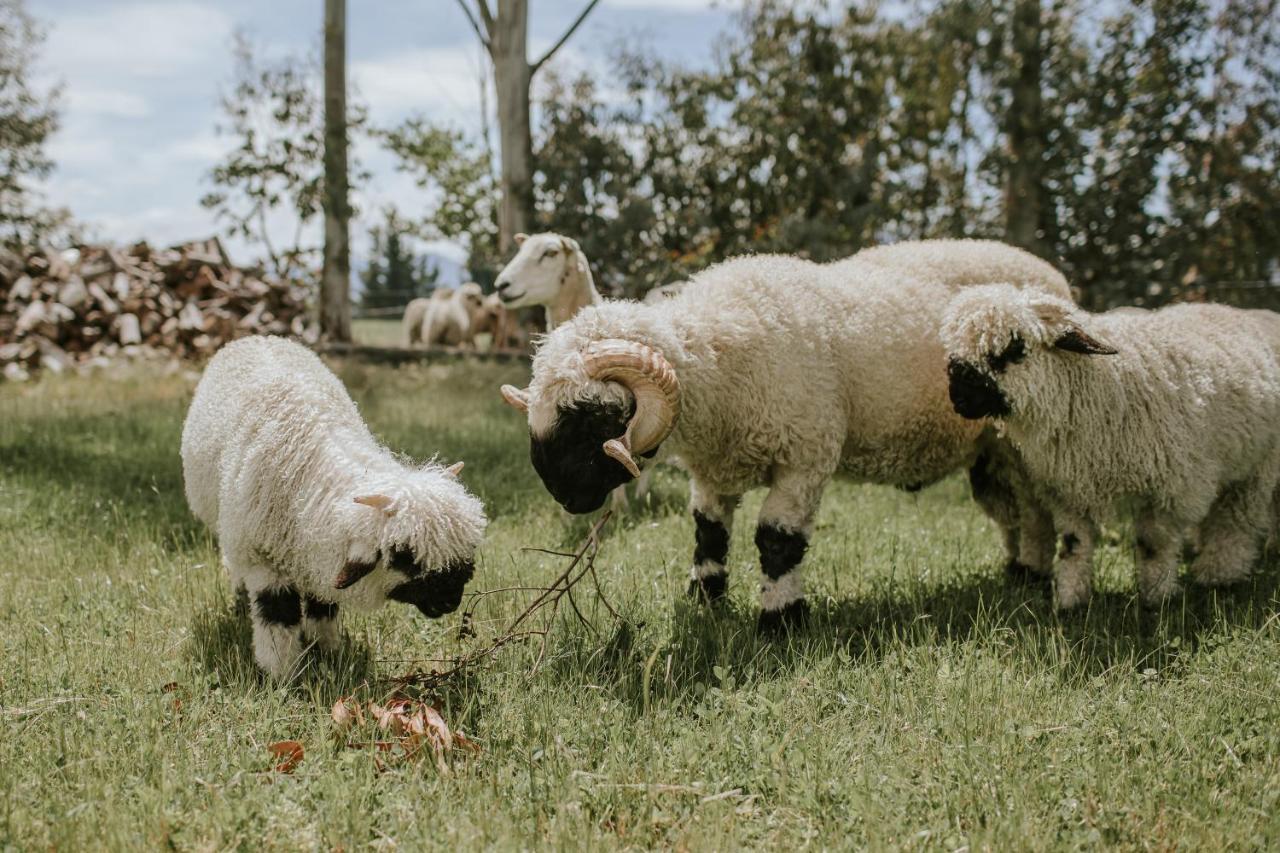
[(547, 602)]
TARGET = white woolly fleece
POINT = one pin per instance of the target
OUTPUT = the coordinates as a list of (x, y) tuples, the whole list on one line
[(965, 262), (1189, 405), (274, 453), (793, 369), (1181, 421)]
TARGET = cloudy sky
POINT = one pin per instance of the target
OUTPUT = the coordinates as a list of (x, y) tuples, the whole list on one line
[(142, 78)]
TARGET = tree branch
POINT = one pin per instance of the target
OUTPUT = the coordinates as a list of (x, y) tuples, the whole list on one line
[(475, 25), (533, 69)]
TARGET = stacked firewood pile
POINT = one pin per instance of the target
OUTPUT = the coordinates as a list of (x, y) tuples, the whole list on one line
[(60, 310)]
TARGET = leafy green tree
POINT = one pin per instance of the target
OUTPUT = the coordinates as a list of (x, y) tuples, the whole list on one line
[(1225, 179), (458, 175), (275, 114), (28, 117)]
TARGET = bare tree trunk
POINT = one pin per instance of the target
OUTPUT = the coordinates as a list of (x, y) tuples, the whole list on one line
[(1025, 203), (335, 285), (505, 35), (512, 76)]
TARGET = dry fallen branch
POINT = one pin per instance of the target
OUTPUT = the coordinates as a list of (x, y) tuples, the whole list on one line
[(545, 606)]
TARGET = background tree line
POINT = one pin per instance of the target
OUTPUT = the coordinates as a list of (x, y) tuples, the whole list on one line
[(1134, 143)]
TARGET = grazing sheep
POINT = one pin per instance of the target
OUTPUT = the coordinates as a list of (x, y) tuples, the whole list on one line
[(548, 270), (311, 513), (414, 313), (766, 370), (448, 319), (1171, 411)]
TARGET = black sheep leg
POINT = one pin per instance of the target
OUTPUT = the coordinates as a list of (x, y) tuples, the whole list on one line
[(713, 520)]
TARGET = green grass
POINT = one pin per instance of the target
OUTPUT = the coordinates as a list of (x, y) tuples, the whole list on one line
[(379, 332), (930, 705)]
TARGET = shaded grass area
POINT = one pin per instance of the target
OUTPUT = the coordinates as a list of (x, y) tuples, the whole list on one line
[(930, 704)]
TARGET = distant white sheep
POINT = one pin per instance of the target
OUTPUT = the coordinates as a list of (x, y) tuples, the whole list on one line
[(311, 513), (1176, 411), (411, 324)]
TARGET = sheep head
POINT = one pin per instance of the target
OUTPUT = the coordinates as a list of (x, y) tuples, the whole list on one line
[(587, 441), (999, 341), (542, 266)]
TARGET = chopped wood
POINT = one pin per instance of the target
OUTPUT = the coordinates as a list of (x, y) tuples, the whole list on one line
[(59, 310)]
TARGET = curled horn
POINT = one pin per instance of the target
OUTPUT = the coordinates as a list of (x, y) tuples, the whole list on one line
[(648, 375), (517, 398)]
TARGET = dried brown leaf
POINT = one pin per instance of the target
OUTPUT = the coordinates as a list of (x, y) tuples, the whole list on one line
[(289, 753), (346, 713)]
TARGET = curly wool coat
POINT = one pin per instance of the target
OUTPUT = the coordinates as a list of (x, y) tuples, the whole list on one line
[(1174, 410), (274, 456), (790, 372)]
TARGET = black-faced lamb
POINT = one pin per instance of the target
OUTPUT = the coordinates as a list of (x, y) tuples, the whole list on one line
[(1172, 412), (311, 512)]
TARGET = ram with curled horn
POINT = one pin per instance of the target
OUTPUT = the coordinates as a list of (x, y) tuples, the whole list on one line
[(777, 372)]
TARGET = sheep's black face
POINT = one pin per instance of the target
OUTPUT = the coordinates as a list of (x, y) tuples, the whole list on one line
[(570, 458), (974, 393), (434, 591)]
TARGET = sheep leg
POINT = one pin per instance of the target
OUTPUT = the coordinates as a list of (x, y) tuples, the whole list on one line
[(782, 537), (277, 626), (1159, 544), (713, 520), (1230, 534), (995, 495), (1073, 573), (1035, 537), (320, 622)]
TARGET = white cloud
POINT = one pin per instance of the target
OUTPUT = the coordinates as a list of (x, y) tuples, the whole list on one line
[(440, 82), (142, 40), (669, 5), (108, 102)]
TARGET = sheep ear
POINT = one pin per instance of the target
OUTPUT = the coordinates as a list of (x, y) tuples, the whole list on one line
[(454, 470), (517, 398), (1075, 339), (381, 502), (571, 246), (520, 238), (352, 572)]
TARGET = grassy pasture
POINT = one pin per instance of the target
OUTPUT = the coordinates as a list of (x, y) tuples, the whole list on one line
[(931, 705)]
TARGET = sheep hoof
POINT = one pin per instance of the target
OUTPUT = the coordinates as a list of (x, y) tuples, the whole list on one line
[(709, 589), (1019, 572), (783, 620)]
